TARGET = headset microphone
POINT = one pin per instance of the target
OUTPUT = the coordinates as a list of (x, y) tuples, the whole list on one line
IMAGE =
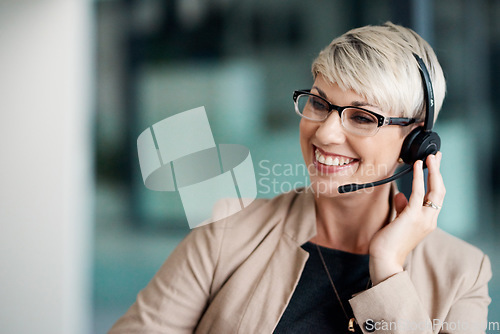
[(419, 144), (347, 188)]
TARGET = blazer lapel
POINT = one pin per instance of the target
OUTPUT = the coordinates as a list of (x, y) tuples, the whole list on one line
[(275, 288), (283, 270)]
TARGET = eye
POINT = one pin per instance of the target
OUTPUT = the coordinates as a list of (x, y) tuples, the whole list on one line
[(318, 104), (360, 117)]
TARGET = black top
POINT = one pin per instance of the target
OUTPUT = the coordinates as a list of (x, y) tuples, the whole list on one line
[(314, 307)]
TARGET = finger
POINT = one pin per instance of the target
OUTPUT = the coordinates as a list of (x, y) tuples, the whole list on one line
[(418, 188), (436, 189), (400, 203)]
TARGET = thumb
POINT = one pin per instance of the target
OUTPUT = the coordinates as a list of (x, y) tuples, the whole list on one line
[(400, 203)]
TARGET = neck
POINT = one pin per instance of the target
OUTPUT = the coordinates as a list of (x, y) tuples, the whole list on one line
[(349, 222)]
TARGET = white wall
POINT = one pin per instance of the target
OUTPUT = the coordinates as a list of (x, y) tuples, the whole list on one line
[(45, 160)]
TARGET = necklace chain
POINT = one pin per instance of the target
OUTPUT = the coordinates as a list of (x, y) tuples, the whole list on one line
[(351, 321)]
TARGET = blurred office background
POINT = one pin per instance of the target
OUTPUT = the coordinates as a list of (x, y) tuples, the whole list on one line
[(81, 235)]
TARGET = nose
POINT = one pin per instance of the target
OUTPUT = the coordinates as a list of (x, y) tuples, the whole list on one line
[(331, 130)]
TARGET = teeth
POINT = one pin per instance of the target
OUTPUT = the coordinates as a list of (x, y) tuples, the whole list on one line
[(332, 161)]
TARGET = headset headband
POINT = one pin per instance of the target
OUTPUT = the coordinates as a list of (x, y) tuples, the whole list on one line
[(428, 94)]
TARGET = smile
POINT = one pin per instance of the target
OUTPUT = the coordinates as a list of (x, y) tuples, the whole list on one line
[(331, 160)]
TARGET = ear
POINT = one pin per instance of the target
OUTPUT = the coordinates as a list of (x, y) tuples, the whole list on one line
[(407, 129), (415, 125)]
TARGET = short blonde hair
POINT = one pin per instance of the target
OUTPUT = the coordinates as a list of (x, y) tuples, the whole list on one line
[(377, 63)]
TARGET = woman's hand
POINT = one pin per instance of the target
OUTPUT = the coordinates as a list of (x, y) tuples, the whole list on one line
[(391, 245)]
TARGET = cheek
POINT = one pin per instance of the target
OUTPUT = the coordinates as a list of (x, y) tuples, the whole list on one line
[(382, 153), (302, 128), (306, 132)]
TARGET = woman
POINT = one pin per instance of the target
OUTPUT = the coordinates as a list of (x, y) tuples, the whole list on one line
[(316, 260)]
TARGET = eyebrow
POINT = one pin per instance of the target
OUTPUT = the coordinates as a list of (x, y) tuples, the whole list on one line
[(353, 103), (363, 104), (321, 93)]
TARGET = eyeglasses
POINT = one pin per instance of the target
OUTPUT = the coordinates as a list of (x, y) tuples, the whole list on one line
[(355, 120)]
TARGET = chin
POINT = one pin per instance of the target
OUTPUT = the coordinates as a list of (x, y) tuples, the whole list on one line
[(325, 188)]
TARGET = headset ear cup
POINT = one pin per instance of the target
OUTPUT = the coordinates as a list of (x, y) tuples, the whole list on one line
[(419, 144), (406, 150)]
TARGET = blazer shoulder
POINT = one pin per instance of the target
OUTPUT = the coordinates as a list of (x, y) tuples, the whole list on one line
[(261, 214), (234, 239), (451, 248), (441, 252)]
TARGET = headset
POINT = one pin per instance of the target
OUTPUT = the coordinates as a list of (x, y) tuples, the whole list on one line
[(419, 144)]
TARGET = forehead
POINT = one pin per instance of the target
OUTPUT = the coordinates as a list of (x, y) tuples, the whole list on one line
[(338, 96)]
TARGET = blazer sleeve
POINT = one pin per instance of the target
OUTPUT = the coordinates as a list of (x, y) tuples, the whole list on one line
[(470, 311), (176, 297), (393, 306)]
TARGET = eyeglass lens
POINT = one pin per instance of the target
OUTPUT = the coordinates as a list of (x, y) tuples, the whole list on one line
[(353, 119)]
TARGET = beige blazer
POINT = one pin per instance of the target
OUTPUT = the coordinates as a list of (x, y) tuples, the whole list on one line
[(237, 275)]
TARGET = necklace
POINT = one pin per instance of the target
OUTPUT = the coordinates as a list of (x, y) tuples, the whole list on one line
[(351, 321)]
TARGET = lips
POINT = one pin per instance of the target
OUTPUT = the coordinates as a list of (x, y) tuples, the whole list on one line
[(330, 163), (330, 160)]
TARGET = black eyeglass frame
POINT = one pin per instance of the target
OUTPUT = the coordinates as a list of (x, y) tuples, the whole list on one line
[(382, 120)]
